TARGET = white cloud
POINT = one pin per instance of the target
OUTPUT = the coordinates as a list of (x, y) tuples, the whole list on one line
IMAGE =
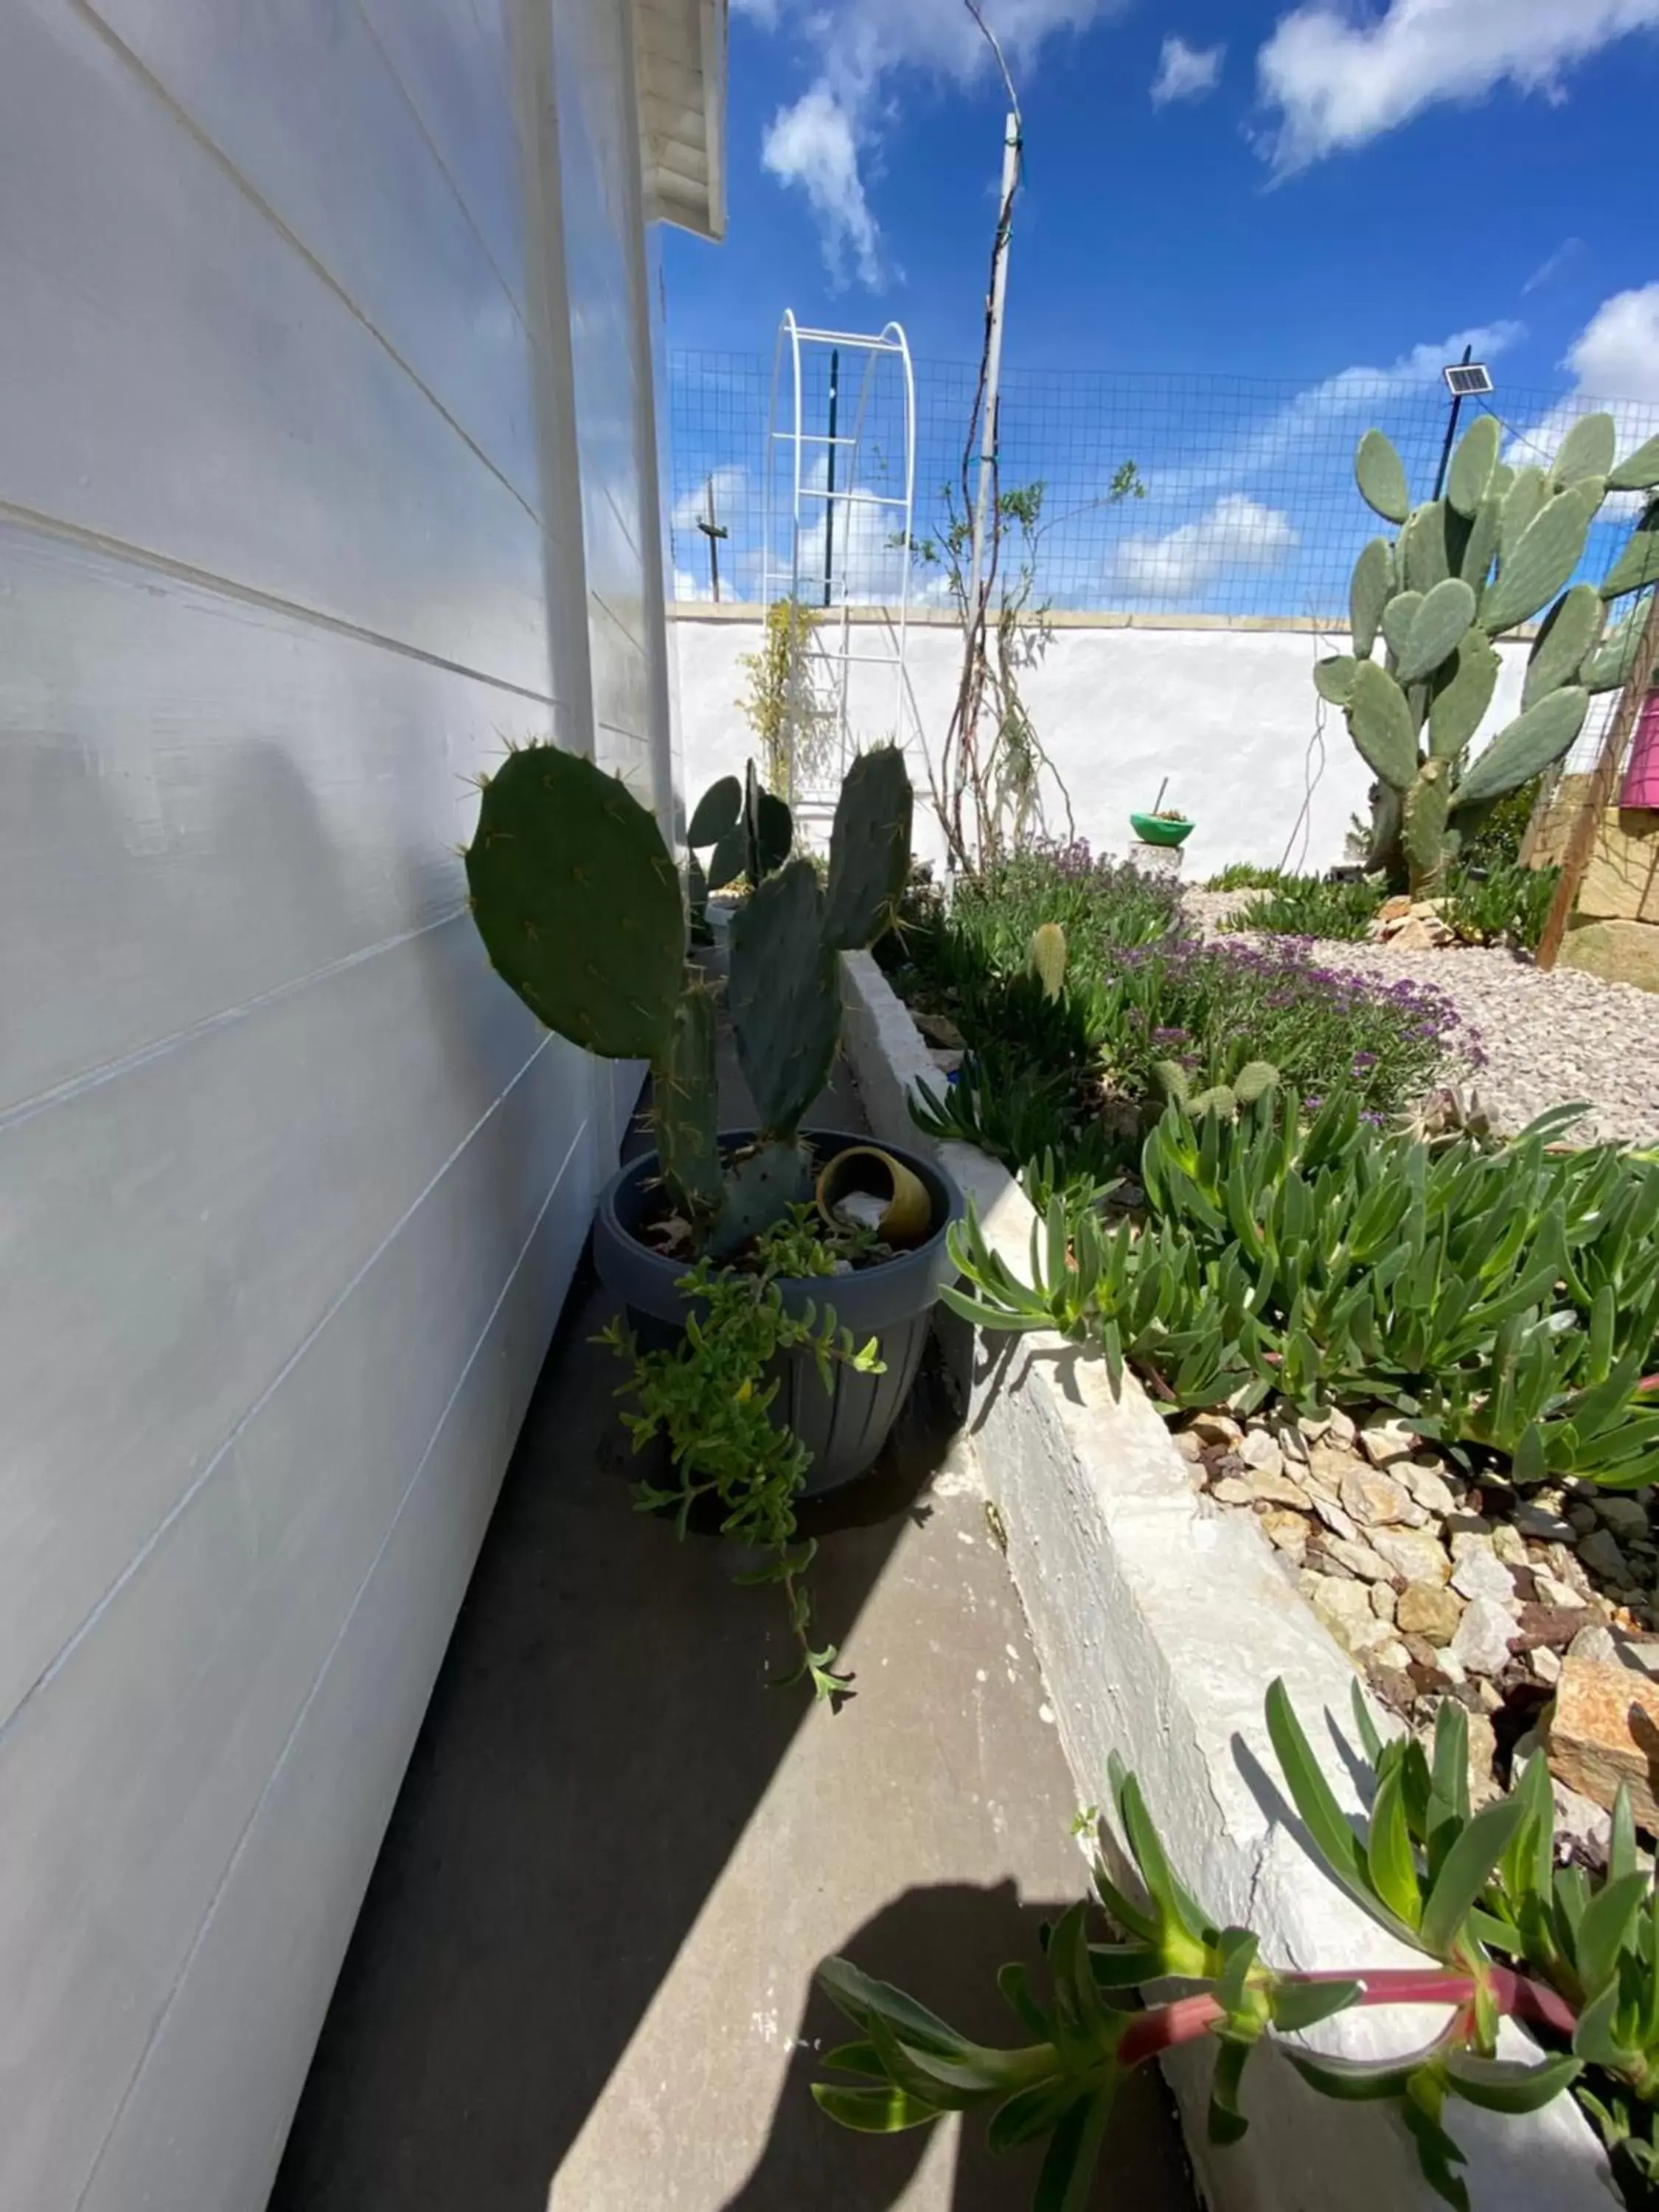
[(1351, 393), (1614, 361), (1185, 72), (731, 487), (821, 142), (1338, 81), (1236, 533), (811, 144), (688, 586)]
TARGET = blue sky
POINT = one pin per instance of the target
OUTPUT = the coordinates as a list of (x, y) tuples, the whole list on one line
[(1257, 190)]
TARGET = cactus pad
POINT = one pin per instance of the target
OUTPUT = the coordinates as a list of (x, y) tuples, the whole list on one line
[(682, 1096), (1422, 838), (1608, 668), (1049, 957), (1334, 678), (1437, 628), (1637, 565), (1573, 625), (869, 849), (760, 1189), (718, 810), (1473, 463), (578, 903), (1638, 471), (1380, 723), (785, 1002), (1529, 745), (1586, 451), (1463, 693), (1397, 618), (1539, 563), (1381, 477), (1521, 504), (1369, 593)]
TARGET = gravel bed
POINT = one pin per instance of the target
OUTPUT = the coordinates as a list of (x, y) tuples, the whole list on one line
[(1545, 1038)]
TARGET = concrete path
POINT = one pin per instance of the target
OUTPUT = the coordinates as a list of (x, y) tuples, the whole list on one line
[(583, 1965)]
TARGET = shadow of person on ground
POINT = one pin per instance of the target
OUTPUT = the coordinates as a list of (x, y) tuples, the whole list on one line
[(943, 1945)]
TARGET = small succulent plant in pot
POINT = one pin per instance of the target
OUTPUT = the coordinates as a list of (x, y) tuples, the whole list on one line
[(761, 1388)]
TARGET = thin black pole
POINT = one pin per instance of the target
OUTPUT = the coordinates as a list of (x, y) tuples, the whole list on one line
[(829, 502), (1451, 428), (713, 532)]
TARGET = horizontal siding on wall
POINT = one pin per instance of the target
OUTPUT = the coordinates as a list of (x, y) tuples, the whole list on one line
[(290, 1185)]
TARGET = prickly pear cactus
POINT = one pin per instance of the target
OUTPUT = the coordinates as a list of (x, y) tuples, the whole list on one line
[(578, 903), (750, 829), (785, 997), (1500, 549), (683, 1107), (869, 849)]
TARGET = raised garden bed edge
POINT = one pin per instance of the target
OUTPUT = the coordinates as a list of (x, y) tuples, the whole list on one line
[(1159, 1622)]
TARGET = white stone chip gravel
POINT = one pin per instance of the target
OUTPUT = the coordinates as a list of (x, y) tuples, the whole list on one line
[(1547, 1038)]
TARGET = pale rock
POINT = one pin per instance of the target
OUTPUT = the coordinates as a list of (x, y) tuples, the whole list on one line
[(1483, 1574), (1625, 1516), (1603, 1728), (1375, 1499), (1315, 1427), (1465, 1524), (1342, 1429), (1287, 1533), (1391, 1655), (1387, 1443), (1360, 1560), (1292, 1442), (1345, 1611), (1491, 1697), (1334, 1518), (1466, 1543), (1429, 1487), (1428, 1610), (1545, 1665), (1563, 1561), (1187, 1444), (1553, 1591), (1600, 1554), (1383, 1600), (1641, 1652), (1274, 1488), (1231, 1490), (1216, 1429), (1594, 1643), (1260, 1450), (1484, 1637), (1579, 1820), (1509, 1546), (1412, 1553), (1327, 1465)]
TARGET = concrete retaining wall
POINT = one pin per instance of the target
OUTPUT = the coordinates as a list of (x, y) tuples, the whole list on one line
[(1159, 1623), (1229, 714)]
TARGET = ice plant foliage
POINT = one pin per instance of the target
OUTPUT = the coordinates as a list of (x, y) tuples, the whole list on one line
[(1504, 1933)]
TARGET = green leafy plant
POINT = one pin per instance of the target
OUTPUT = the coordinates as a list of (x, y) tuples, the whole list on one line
[(781, 705), (711, 1395), (1502, 904), (1245, 1082), (1246, 876), (1307, 906), (1503, 1932), (1507, 1299), (579, 905), (1500, 549)]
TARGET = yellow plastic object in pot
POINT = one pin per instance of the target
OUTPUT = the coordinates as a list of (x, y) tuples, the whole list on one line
[(907, 1211)]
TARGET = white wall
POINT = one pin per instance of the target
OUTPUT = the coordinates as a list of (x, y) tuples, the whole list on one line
[(326, 465), (1229, 716)]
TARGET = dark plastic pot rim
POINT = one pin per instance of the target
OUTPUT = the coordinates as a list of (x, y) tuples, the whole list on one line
[(872, 1298)]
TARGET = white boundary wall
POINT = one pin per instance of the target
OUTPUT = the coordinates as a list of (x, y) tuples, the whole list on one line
[(1226, 711)]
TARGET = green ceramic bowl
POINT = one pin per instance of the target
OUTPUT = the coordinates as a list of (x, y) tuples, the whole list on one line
[(1152, 829)]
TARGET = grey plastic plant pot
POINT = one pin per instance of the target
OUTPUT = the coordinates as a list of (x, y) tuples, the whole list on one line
[(845, 1427)]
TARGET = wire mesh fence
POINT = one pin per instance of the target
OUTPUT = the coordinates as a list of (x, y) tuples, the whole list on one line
[(1243, 502)]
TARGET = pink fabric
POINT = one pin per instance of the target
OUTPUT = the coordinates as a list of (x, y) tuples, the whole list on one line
[(1641, 786)]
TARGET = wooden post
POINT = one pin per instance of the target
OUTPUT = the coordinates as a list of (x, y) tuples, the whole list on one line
[(1587, 827)]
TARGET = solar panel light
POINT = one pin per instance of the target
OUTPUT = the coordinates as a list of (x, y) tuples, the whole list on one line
[(1465, 378)]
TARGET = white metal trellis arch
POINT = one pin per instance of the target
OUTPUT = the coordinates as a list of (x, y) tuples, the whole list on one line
[(819, 510)]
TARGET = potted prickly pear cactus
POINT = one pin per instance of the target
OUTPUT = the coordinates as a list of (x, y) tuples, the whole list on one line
[(1498, 550), (580, 906)]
